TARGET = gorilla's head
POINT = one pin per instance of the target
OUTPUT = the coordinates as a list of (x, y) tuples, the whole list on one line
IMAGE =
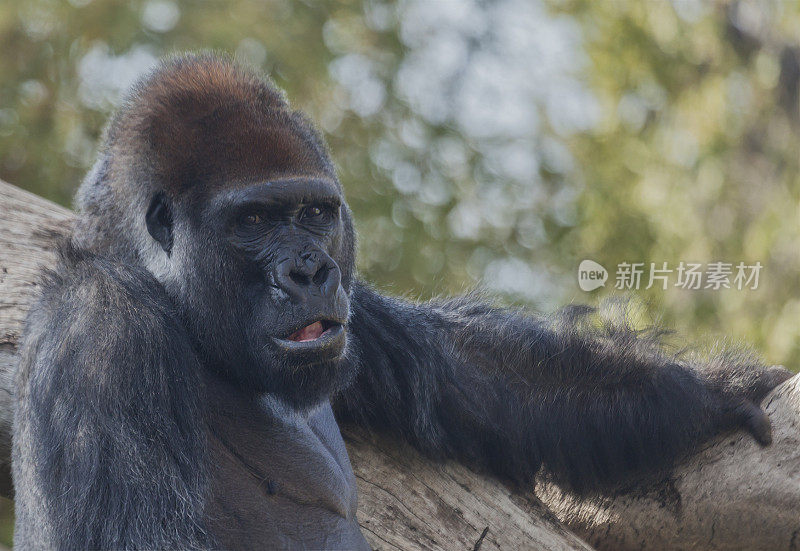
[(229, 198)]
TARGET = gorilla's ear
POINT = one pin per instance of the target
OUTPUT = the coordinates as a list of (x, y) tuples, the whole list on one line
[(159, 221)]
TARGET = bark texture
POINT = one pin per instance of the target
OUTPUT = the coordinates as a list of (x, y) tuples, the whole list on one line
[(731, 495)]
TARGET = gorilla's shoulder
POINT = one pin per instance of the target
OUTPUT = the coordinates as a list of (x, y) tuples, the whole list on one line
[(92, 280), (91, 298), (106, 425)]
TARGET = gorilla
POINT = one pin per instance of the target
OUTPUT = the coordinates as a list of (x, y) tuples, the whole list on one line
[(186, 365)]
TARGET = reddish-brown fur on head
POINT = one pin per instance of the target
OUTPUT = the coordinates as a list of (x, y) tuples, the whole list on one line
[(203, 122)]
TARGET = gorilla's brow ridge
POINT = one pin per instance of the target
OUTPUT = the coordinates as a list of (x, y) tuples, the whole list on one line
[(290, 190)]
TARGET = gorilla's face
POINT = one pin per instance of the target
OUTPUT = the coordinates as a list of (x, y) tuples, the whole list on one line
[(257, 239), (265, 276)]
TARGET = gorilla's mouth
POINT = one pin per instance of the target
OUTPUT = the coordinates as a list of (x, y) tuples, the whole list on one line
[(313, 331), (316, 341)]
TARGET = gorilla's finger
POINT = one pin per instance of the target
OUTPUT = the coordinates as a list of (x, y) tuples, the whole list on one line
[(757, 422)]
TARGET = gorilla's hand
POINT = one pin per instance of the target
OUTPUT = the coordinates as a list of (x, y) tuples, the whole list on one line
[(740, 387)]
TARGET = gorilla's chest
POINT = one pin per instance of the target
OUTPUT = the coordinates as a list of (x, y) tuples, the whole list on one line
[(279, 480)]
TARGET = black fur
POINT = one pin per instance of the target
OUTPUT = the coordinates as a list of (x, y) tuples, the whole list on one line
[(109, 453), (169, 394), (598, 405)]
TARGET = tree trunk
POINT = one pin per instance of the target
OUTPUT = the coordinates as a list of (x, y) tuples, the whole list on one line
[(731, 495)]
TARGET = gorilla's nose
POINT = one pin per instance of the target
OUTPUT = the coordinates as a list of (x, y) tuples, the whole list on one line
[(312, 273)]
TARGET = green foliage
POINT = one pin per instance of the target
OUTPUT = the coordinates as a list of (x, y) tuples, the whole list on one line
[(708, 169), (690, 153), (497, 144)]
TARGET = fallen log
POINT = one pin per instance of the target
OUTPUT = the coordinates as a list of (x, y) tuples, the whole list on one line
[(731, 495)]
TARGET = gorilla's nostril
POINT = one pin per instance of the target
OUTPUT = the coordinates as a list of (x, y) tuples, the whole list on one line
[(299, 278), (318, 275), (321, 275)]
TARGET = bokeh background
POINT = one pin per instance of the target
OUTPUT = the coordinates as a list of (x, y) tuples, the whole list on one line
[(489, 143)]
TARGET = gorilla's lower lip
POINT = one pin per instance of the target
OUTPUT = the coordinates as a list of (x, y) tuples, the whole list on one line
[(315, 336)]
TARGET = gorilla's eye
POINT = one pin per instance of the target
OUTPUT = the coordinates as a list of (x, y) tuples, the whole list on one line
[(252, 219), (311, 213)]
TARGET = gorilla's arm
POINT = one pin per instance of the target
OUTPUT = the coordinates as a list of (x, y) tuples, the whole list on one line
[(510, 393), (108, 440)]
